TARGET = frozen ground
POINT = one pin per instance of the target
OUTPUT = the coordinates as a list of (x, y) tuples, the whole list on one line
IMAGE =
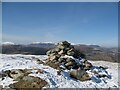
[(18, 61)]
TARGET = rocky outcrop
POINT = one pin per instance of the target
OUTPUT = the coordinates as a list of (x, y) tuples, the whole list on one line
[(28, 82), (80, 75), (65, 56), (23, 79)]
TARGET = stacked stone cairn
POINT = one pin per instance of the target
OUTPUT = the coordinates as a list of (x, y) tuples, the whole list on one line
[(65, 57)]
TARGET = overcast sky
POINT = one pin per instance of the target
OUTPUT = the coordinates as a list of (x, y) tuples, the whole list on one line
[(86, 23)]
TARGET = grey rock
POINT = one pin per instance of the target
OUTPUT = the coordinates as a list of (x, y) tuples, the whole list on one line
[(54, 61), (69, 64), (57, 49), (53, 58), (29, 82), (61, 47), (1, 86), (28, 78), (69, 59), (88, 65), (48, 52), (61, 60), (15, 73), (61, 52), (64, 43), (77, 73), (70, 52), (2, 75)]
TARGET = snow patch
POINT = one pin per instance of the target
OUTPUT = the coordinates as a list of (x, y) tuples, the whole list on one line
[(19, 61)]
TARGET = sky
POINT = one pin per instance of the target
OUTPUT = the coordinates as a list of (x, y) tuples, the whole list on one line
[(83, 22)]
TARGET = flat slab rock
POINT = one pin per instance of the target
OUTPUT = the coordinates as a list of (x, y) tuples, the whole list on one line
[(28, 82)]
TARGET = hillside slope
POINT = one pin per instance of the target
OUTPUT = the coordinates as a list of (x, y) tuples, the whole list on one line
[(50, 75)]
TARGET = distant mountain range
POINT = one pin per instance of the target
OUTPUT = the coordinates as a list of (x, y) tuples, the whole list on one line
[(8, 43), (43, 45), (93, 52)]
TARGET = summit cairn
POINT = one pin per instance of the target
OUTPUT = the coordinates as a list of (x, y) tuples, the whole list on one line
[(66, 57)]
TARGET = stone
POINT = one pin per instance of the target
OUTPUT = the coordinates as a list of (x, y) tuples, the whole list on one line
[(102, 67), (69, 67), (7, 72), (86, 68), (75, 66), (53, 65), (59, 72), (47, 60), (3, 74), (68, 48), (61, 60), (53, 51), (61, 52), (61, 47), (39, 71), (40, 62), (76, 54), (54, 61), (1, 87), (53, 58), (85, 77), (71, 47), (101, 75), (58, 56), (69, 64), (88, 65), (15, 73), (62, 66), (70, 52), (29, 82), (64, 43), (57, 63), (63, 63), (57, 49), (69, 59), (77, 74), (48, 52)]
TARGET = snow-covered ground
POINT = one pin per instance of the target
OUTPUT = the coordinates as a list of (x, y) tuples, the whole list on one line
[(18, 61)]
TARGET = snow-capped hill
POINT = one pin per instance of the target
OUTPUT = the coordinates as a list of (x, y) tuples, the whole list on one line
[(8, 43), (42, 43)]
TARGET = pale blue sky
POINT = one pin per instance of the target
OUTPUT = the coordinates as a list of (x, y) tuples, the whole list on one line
[(86, 23)]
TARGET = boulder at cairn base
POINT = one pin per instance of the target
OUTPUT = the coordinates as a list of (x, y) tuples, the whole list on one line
[(65, 56), (80, 75)]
